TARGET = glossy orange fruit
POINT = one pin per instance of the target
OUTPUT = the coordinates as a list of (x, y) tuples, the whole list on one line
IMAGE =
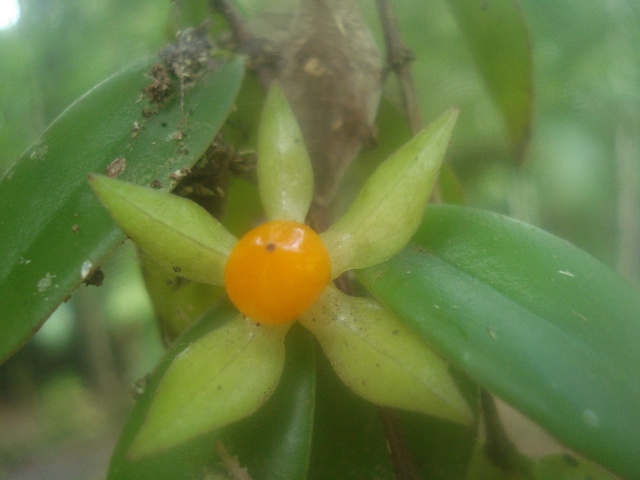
[(277, 271)]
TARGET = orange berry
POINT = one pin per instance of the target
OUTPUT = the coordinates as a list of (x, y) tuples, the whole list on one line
[(277, 271)]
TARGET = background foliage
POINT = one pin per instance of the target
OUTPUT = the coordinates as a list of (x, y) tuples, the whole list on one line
[(580, 179)]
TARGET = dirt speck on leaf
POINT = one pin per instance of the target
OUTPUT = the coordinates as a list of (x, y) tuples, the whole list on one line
[(190, 56), (116, 168), (95, 279), (39, 151), (45, 283), (159, 91)]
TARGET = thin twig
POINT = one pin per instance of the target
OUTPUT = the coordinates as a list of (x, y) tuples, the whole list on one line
[(399, 57), (239, 29), (245, 41), (403, 465), (231, 463), (498, 447)]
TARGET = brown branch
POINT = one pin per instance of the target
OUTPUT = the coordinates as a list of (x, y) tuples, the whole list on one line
[(238, 26), (403, 465), (231, 463), (399, 57), (245, 41), (498, 447)]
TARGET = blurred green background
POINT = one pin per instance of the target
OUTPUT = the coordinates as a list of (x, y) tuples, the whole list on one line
[(64, 396)]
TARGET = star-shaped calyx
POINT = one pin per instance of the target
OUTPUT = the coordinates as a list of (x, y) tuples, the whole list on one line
[(280, 272)]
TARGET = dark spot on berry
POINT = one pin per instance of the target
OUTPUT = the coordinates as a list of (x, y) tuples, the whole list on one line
[(270, 247)]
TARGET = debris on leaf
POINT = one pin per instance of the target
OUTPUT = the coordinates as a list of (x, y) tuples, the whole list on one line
[(116, 168)]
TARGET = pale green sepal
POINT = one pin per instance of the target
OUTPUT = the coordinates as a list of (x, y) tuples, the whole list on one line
[(285, 175), (222, 377), (389, 208), (381, 359), (175, 232), (177, 303)]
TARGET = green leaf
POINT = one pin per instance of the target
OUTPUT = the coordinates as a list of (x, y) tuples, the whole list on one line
[(53, 231), (274, 441), (175, 232), (443, 450), (497, 36), (530, 317), (220, 378), (567, 467), (349, 441), (482, 468), (285, 177), (382, 360), (390, 206)]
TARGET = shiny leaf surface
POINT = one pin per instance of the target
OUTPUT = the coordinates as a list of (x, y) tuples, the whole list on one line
[(529, 316), (53, 231)]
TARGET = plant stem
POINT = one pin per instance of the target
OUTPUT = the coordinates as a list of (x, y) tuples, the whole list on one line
[(498, 447), (237, 24), (399, 57), (403, 465), (245, 40)]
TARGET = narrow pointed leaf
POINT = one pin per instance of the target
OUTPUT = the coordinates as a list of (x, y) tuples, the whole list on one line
[(222, 377), (175, 232), (53, 230), (381, 359), (390, 206), (285, 176), (497, 36), (530, 317)]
